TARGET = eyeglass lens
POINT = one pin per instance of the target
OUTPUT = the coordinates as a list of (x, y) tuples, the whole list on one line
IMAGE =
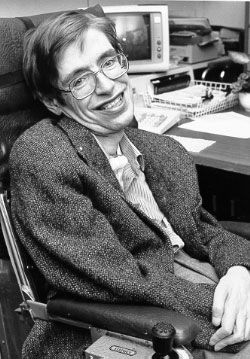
[(113, 68)]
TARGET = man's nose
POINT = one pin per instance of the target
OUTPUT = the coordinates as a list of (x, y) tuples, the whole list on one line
[(103, 84)]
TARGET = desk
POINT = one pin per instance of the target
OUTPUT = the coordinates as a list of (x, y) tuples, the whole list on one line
[(223, 173), (228, 153)]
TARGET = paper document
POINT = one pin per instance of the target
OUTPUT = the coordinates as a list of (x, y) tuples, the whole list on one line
[(156, 120), (193, 144), (230, 124), (192, 96)]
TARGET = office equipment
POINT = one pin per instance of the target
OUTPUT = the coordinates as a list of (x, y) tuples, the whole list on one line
[(220, 70), (193, 101), (156, 120), (194, 53), (144, 34), (182, 27), (192, 39), (170, 83)]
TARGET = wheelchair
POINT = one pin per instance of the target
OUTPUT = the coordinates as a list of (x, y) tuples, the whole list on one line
[(138, 331)]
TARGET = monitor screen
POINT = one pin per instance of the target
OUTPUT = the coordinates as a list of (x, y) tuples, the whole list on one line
[(134, 33), (143, 32)]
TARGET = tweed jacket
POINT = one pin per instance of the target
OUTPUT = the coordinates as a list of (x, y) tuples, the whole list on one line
[(89, 241)]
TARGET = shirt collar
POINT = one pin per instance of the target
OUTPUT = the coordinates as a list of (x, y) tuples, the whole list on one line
[(131, 152), (128, 149)]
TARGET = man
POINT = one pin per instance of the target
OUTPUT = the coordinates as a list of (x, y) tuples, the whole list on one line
[(113, 214)]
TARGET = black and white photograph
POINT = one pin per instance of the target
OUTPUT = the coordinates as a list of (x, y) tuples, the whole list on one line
[(124, 179)]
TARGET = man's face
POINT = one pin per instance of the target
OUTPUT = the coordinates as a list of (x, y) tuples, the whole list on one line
[(109, 109)]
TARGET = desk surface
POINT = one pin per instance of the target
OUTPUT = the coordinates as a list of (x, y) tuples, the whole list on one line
[(227, 153)]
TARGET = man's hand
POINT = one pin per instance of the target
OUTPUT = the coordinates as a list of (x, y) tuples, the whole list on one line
[(231, 308)]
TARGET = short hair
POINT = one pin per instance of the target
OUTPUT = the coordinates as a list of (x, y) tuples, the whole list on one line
[(44, 44)]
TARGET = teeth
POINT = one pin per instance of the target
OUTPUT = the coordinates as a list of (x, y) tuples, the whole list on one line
[(112, 104)]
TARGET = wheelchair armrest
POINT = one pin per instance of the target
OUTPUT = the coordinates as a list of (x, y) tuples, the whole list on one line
[(132, 320), (240, 228)]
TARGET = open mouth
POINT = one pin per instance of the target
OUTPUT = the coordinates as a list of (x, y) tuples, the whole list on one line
[(112, 104)]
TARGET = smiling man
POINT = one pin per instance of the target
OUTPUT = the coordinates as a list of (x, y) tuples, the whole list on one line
[(111, 213), (99, 99)]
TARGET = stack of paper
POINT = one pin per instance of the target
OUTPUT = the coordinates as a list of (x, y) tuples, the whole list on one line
[(223, 123)]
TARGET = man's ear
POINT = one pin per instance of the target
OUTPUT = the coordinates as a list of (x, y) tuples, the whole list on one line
[(52, 105)]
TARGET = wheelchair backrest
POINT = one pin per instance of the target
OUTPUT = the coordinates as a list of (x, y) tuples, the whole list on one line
[(18, 111)]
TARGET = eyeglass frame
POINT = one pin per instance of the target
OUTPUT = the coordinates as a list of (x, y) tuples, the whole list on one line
[(95, 73)]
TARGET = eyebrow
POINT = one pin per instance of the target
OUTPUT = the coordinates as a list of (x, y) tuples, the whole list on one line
[(80, 70)]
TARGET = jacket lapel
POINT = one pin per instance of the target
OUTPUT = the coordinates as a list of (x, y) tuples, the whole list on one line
[(88, 149)]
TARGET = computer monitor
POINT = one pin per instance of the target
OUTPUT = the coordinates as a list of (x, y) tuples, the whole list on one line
[(144, 34)]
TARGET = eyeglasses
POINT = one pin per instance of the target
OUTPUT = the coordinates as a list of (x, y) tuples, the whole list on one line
[(84, 85)]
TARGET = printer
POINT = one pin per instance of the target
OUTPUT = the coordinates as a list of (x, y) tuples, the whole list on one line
[(192, 40)]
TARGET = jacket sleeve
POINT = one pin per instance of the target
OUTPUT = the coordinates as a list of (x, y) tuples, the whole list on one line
[(225, 249)]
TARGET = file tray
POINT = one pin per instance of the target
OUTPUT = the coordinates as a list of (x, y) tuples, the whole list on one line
[(192, 101)]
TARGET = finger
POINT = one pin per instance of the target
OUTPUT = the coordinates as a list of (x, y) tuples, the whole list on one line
[(218, 336), (224, 342), (230, 317), (247, 329), (218, 304), (237, 336), (247, 325), (227, 325)]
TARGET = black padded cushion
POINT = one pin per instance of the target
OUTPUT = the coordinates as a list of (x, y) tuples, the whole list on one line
[(134, 320), (18, 110)]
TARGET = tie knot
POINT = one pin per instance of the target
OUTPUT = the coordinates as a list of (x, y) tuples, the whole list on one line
[(118, 162)]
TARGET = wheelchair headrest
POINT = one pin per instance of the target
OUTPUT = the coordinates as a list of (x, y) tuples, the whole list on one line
[(18, 110)]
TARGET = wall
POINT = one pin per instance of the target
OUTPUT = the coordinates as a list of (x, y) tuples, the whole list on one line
[(12, 8), (226, 13)]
